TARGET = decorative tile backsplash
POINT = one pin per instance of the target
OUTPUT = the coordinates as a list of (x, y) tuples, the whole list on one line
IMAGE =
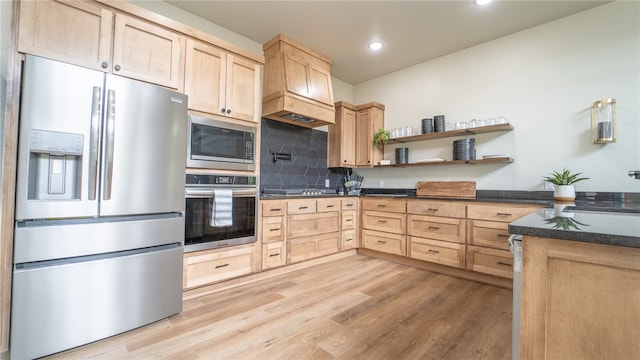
[(308, 165)]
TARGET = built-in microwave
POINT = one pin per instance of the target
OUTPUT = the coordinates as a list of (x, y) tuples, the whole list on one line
[(215, 144)]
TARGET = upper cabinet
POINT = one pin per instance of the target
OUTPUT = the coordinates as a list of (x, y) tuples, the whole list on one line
[(222, 83), (350, 139), (82, 33), (297, 84)]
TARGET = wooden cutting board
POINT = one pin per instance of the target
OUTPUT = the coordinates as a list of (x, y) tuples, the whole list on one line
[(450, 189)]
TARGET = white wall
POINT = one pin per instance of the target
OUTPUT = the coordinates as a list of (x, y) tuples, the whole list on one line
[(544, 81)]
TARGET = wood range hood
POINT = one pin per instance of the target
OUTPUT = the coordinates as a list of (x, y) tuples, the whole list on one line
[(297, 84)]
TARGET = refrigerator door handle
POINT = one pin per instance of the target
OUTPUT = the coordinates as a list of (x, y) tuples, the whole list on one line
[(94, 142), (110, 130)]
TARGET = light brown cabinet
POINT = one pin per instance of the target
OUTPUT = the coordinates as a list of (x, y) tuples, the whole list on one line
[(579, 300), (349, 224), (370, 118), (313, 228), (488, 250), (297, 80), (205, 267), (221, 83), (273, 230), (439, 237), (341, 137), (384, 225), (86, 34)]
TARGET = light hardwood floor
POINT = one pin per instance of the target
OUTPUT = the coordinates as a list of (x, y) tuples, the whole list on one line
[(353, 308)]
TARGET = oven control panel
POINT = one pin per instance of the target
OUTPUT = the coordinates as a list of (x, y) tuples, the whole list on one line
[(205, 179)]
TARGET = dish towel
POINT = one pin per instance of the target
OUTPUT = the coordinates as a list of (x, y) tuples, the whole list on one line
[(221, 208)]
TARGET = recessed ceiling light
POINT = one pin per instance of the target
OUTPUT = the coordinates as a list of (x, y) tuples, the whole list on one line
[(375, 45), (482, 2)]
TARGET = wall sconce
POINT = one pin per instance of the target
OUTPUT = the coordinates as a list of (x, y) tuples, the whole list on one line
[(604, 122)]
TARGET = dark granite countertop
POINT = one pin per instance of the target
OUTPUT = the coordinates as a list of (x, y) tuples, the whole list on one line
[(598, 227)]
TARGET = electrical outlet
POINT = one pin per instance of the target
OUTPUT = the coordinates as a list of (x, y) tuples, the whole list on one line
[(549, 186), (380, 183), (327, 183)]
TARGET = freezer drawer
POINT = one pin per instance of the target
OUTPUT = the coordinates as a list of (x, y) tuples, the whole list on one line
[(66, 305)]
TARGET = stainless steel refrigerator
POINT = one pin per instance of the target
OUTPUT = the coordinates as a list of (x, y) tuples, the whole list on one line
[(99, 207)]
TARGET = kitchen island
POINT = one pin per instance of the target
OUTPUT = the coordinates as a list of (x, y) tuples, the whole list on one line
[(580, 283)]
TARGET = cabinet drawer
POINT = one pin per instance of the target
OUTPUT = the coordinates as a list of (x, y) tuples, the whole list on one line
[(491, 234), (447, 209), (348, 219), (490, 261), (441, 252), (273, 207), (325, 205), (384, 242), (349, 204), (274, 254), (387, 205), (299, 225), (310, 247), (384, 221), (301, 206), (212, 266), (348, 240), (273, 229), (503, 212), (435, 227)]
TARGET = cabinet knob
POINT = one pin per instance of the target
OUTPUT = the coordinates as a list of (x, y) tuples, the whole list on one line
[(117, 67), (223, 110), (104, 64), (228, 111)]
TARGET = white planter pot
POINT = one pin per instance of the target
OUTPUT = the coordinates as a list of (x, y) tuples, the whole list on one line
[(564, 193)]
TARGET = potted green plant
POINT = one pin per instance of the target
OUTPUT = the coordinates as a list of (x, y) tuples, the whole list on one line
[(381, 137), (563, 181)]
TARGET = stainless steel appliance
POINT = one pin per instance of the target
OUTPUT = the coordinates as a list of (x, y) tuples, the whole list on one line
[(202, 191), (215, 144), (99, 207), (515, 244)]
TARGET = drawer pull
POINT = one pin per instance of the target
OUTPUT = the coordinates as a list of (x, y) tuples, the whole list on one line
[(349, 205), (330, 206), (503, 235), (348, 239), (433, 210), (382, 221), (272, 255), (503, 214), (278, 229), (303, 207), (275, 209), (382, 205), (433, 251), (348, 220), (433, 228), (503, 263), (382, 241), (221, 266)]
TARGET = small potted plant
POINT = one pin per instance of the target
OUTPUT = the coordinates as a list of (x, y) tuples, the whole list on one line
[(563, 181), (381, 137)]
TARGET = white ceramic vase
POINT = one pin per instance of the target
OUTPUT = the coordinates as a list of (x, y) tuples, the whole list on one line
[(564, 193)]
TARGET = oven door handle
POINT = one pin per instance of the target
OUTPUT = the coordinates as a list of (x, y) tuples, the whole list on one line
[(209, 193)]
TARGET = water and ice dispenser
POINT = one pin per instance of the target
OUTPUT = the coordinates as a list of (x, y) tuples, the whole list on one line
[(55, 165)]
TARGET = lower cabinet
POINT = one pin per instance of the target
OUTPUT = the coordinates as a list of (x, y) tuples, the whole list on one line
[(490, 261), (385, 242), (441, 252), (205, 267), (274, 254), (348, 240), (309, 247)]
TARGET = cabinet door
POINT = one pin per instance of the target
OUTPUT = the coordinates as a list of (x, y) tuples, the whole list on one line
[(383, 221), (300, 225), (500, 212), (491, 234), (348, 240), (307, 76), (490, 261), (273, 254), (384, 242), (75, 32), (273, 229), (364, 139), (441, 252), (244, 89), (435, 227), (310, 247), (205, 77), (349, 219), (341, 145), (147, 52), (206, 267)]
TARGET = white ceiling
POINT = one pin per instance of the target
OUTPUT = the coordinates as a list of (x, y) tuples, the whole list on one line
[(412, 31)]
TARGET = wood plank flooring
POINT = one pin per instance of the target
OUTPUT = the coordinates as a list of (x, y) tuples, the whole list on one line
[(353, 308)]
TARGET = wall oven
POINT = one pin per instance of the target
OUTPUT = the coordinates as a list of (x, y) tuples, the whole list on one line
[(215, 144), (220, 211)]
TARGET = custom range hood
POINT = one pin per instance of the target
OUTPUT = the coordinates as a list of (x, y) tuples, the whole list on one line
[(297, 84)]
